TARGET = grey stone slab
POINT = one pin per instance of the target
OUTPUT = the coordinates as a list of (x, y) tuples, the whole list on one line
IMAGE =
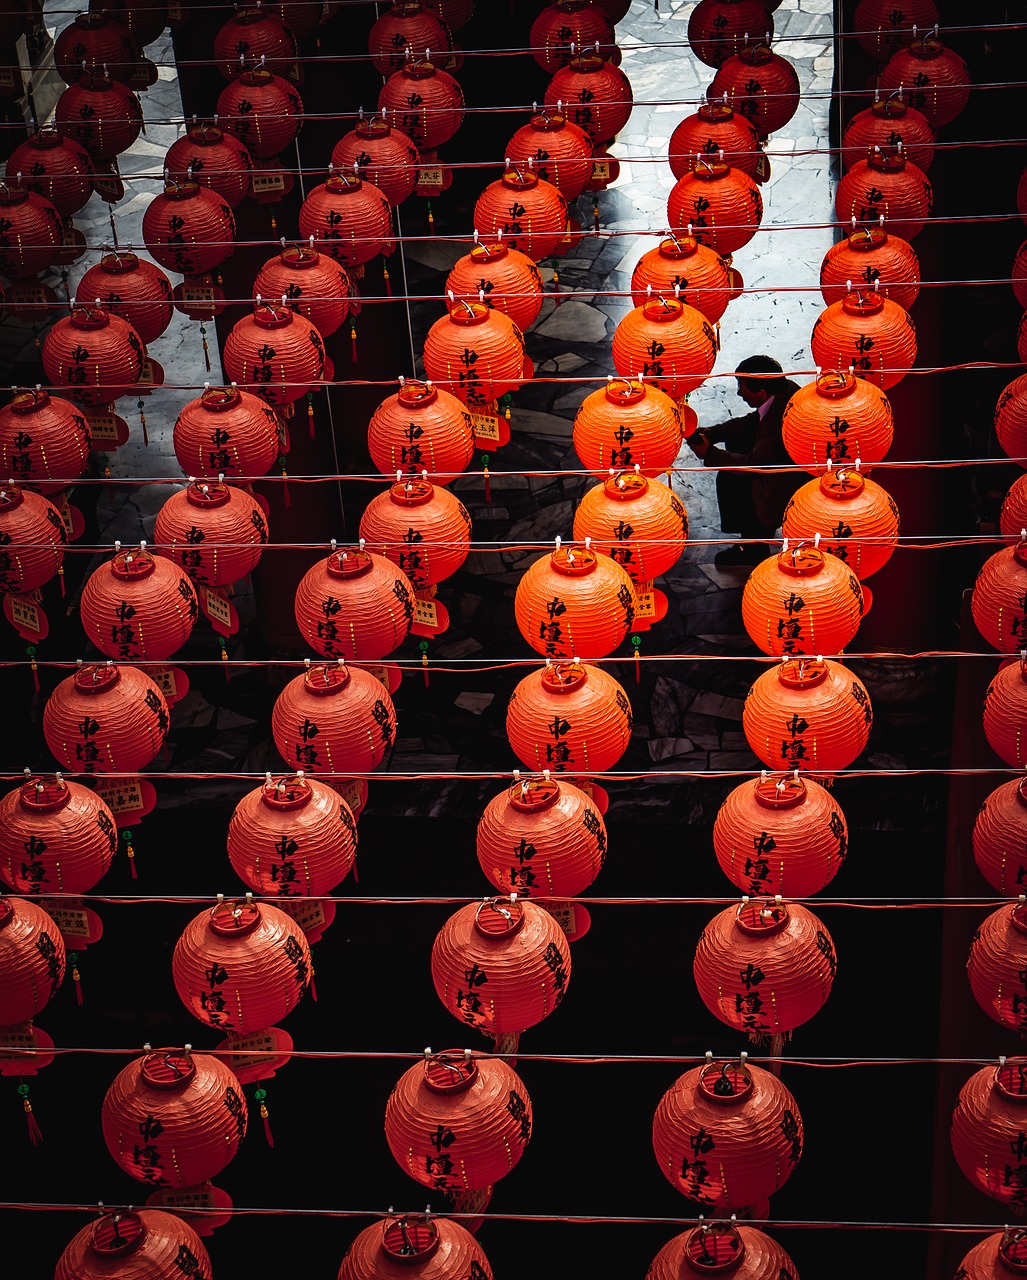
[(715, 704)]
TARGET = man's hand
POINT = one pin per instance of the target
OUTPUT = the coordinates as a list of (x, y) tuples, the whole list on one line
[(699, 442)]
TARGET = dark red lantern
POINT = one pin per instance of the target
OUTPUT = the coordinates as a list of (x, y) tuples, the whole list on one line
[(589, 709), (415, 1248), (508, 278), (836, 418), (684, 267), (138, 606), (132, 288), (997, 966), (501, 965), (802, 601), (885, 185), (68, 829), (718, 205), (252, 36), (312, 284), (99, 114), (426, 102), (565, 27), (882, 26), (54, 167), (32, 232), (667, 343), (229, 432), (32, 540), (44, 440), (885, 124), (106, 719), (574, 601), (189, 1108), (94, 42), (997, 1257), (479, 1103), (1011, 419), (145, 24), (347, 218), (867, 334), (638, 522), (421, 428), (456, 14), (1000, 837), (262, 110), (715, 129), (524, 211), (625, 424), (997, 603), (727, 1134), (334, 719), (873, 257), (354, 605), (559, 151), (274, 352), (424, 530), (215, 531), (96, 355), (380, 155), (856, 519), (144, 1243), (214, 159), (1005, 712), (935, 80), (1013, 516), (32, 960), (989, 1131), (475, 352), (189, 229), (593, 94), (722, 1248), (1018, 278), (760, 85), (406, 30), (719, 29)]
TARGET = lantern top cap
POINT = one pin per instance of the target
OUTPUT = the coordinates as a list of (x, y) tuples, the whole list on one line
[(843, 483), (1010, 1079), (205, 133), (342, 184), (867, 239), (176, 188), (534, 795), (44, 795), (661, 310), (419, 69), (255, 76), (886, 161), (756, 55), (495, 251), (90, 318), (716, 112), (780, 793), (573, 562), (268, 317), (624, 391), (46, 138), (11, 193), (372, 128), (414, 491), (706, 170), (548, 121), (299, 257), (96, 679), (119, 262), (117, 1234), (1012, 1250), (926, 47), (675, 248), (132, 565), (208, 493), (466, 312), (451, 1071), (326, 679), (287, 793), (349, 562), (588, 61), (96, 80), (167, 1068), (29, 400), (517, 179), (727, 1083), (220, 399), (802, 673), (626, 486), (761, 917), (835, 384), (1021, 790), (890, 108), (802, 561), (862, 302), (499, 918), (10, 497), (416, 395), (563, 677), (234, 919), (411, 1239), (714, 1248)]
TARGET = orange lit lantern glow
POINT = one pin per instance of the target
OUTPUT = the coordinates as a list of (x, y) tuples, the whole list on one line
[(106, 720), (628, 423), (882, 26), (68, 826), (354, 605), (569, 718), (32, 538), (566, 26), (872, 257), (715, 128), (867, 333), (274, 352), (419, 428), (856, 519), (988, 1123), (1001, 1254), (718, 205), (717, 29), (311, 283), (55, 167), (1013, 517), (668, 344), (406, 29), (802, 601), (215, 159), (33, 232), (836, 419), (886, 185), (253, 35), (262, 110), (509, 279), (1000, 837), (99, 114), (559, 152), (32, 957), (688, 269), (225, 431), (574, 601), (424, 530), (525, 211), (130, 287), (188, 228), (888, 122), (1011, 419), (348, 219), (721, 1247), (998, 598), (95, 355), (44, 440), (415, 1248), (594, 94), (334, 719), (760, 85), (215, 531), (477, 353), (138, 606)]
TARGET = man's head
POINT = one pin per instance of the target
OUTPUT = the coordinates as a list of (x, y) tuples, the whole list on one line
[(757, 390)]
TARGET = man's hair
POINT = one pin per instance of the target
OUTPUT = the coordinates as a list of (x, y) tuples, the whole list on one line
[(762, 365)]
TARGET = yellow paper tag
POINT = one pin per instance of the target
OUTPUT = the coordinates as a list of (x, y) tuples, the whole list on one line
[(197, 293), (564, 915), (485, 426), (64, 507), (109, 189), (72, 921), (102, 427), (308, 915), (164, 679), (146, 372), (426, 613), (645, 598), (352, 793), (121, 795), (380, 673), (29, 295), (262, 183), (17, 1036), (260, 1048), (430, 177), (198, 1197), (24, 614), (218, 606), (600, 171)]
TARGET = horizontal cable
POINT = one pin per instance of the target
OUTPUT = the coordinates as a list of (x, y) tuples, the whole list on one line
[(503, 775)]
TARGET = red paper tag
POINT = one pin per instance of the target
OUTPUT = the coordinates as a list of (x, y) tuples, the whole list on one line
[(107, 431), (24, 1050), (215, 1203), (256, 1056), (109, 187), (312, 917), (171, 681), (80, 927), (219, 611), (26, 616), (129, 799), (571, 916)]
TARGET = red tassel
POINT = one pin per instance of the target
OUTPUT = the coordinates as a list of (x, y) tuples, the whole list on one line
[(595, 216), (267, 1126), (224, 657), (423, 646), (131, 855), (64, 589), (76, 977), (31, 651), (35, 1133), (310, 415), (388, 282), (286, 500), (353, 341), (485, 474), (313, 989), (356, 874), (142, 423), (637, 643)]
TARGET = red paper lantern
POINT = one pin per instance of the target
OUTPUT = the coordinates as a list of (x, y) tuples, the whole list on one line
[(421, 1248), (989, 1132), (857, 520), (1000, 837), (882, 26), (574, 601), (175, 1118), (867, 333), (214, 159), (43, 439), (380, 155), (780, 835), (96, 355), (1005, 712), (106, 719), (501, 965), (1011, 419), (31, 234), (54, 167), (871, 256), (1019, 275), (727, 1134), (95, 42), (292, 835), (334, 719), (560, 152), (934, 79), (625, 424), (55, 837), (717, 1248), (715, 129), (541, 836), (885, 124), (354, 605), (718, 29), (421, 427), (275, 352), (998, 964), (1013, 517), (215, 531), (252, 36), (836, 419), (1021, 339), (999, 1256), (424, 530), (807, 713), (885, 185), (348, 219), (639, 523), (508, 278), (189, 229), (667, 343), (593, 94), (998, 598), (312, 284), (99, 114), (524, 211), (132, 288), (262, 110), (456, 14), (564, 27), (478, 1104), (571, 718), (718, 205), (407, 30), (427, 103), (241, 966), (683, 267), (32, 540), (477, 352), (760, 85), (134, 1244), (32, 960), (138, 606), (229, 432), (145, 24), (802, 601)]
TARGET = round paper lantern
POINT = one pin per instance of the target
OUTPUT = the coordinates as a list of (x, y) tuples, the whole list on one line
[(420, 428), (1000, 837), (1013, 517), (501, 965), (667, 343), (760, 85), (55, 837), (837, 418), (719, 1248), (95, 42), (229, 432), (1011, 419), (857, 520), (1000, 1255), (1019, 275), (475, 351), (884, 124), (1021, 339), (216, 532), (683, 267), (569, 718), (406, 30), (989, 1132), (138, 606), (134, 1244), (424, 530), (867, 333), (508, 278), (718, 29), (780, 835), (727, 1134), (354, 605), (334, 719), (802, 601), (262, 110), (96, 355), (292, 835), (144, 24), (456, 14), (106, 719), (31, 232), (807, 713), (718, 205), (637, 522), (871, 256), (885, 185), (241, 966), (625, 424), (100, 114), (427, 103), (593, 94), (32, 540), (44, 440), (132, 288), (276, 352), (999, 600), (566, 26), (347, 218), (424, 1248), (458, 1122), (252, 36), (381, 155), (997, 967), (54, 167), (189, 229), (574, 601), (764, 967), (524, 211), (214, 159), (315, 286), (933, 79), (541, 836), (32, 958), (560, 152), (714, 129), (1005, 712), (882, 26), (174, 1118)]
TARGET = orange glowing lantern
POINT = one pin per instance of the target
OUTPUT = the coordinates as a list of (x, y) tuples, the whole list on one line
[(628, 423), (872, 257), (802, 601), (138, 606), (835, 419), (721, 1248), (559, 152), (380, 155), (760, 85), (509, 279), (998, 598), (229, 432), (666, 342), (354, 605), (688, 269), (716, 129), (334, 719), (476, 352), (426, 102), (934, 79), (566, 26), (718, 205), (856, 519), (574, 601), (1005, 712), (886, 185), (311, 283), (69, 830), (1011, 419), (347, 218), (867, 333), (594, 94), (1000, 837), (525, 211), (989, 1124), (569, 718), (424, 530), (886, 123), (216, 532), (421, 427)]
